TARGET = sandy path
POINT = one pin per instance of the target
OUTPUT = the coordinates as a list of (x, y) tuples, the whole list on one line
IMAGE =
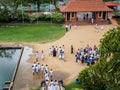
[(79, 37), (66, 70)]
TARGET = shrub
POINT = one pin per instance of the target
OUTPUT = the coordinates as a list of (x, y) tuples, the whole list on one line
[(4, 15), (19, 16), (57, 17), (91, 80), (44, 17)]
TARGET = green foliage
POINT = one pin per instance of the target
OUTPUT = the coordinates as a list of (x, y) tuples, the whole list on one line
[(90, 79), (106, 73), (71, 86), (20, 16), (4, 17), (57, 17), (110, 43), (37, 88), (44, 17)]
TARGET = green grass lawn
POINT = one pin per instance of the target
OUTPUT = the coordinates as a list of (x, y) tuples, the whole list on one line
[(37, 88), (44, 32), (72, 86)]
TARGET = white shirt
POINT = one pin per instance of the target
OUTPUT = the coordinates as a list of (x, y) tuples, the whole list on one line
[(38, 66), (37, 55), (42, 68), (33, 69), (51, 72), (46, 68)]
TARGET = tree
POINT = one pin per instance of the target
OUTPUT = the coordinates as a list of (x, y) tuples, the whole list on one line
[(105, 75)]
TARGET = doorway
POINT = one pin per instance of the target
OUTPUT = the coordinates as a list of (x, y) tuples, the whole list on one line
[(68, 16), (104, 15)]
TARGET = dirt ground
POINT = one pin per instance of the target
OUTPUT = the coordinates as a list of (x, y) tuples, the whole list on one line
[(66, 70)]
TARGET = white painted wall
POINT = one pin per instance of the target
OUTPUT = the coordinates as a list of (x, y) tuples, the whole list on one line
[(80, 15), (110, 15)]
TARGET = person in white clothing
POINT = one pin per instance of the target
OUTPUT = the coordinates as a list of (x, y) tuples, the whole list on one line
[(37, 55), (46, 84), (39, 67), (42, 69), (46, 67), (42, 55), (102, 27), (36, 69), (50, 51), (51, 85), (92, 20), (96, 26), (34, 64), (56, 87), (51, 73), (33, 70)]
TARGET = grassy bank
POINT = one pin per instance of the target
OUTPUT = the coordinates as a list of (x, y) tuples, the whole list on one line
[(72, 86), (42, 33)]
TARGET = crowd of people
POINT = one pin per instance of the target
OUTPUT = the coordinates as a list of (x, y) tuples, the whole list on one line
[(84, 55), (87, 55), (40, 70), (52, 85), (55, 51), (69, 26)]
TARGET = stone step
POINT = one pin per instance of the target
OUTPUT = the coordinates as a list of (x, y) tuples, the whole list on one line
[(114, 21)]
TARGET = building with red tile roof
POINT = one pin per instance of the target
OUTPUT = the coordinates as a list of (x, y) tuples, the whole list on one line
[(79, 10), (112, 5)]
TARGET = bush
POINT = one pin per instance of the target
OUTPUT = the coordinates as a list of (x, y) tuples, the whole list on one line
[(4, 15), (19, 16), (43, 17), (57, 18), (91, 80)]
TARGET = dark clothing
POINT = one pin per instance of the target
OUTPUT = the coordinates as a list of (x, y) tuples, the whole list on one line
[(54, 53)]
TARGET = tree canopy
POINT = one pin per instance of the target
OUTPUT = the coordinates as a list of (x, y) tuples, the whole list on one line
[(105, 75)]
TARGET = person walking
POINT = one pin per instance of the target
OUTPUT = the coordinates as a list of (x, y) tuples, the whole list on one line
[(72, 49), (42, 55), (66, 28)]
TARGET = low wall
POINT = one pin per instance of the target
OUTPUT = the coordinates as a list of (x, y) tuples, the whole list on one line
[(9, 84)]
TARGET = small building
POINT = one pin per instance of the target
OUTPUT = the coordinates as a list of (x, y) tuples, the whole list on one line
[(85, 10), (113, 5)]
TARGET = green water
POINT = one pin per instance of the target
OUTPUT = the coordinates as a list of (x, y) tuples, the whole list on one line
[(8, 62)]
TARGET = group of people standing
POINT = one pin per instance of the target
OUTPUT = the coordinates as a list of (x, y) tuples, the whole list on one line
[(87, 55), (37, 56), (69, 26), (55, 51), (42, 71), (96, 27), (51, 85)]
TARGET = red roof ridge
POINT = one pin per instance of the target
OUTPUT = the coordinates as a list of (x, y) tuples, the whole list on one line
[(85, 5)]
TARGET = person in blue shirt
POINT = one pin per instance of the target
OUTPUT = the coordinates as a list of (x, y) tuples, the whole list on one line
[(88, 60)]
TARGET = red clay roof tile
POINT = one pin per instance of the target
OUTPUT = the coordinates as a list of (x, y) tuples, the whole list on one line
[(84, 6)]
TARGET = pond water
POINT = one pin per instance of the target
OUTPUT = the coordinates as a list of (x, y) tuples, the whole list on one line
[(8, 61)]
